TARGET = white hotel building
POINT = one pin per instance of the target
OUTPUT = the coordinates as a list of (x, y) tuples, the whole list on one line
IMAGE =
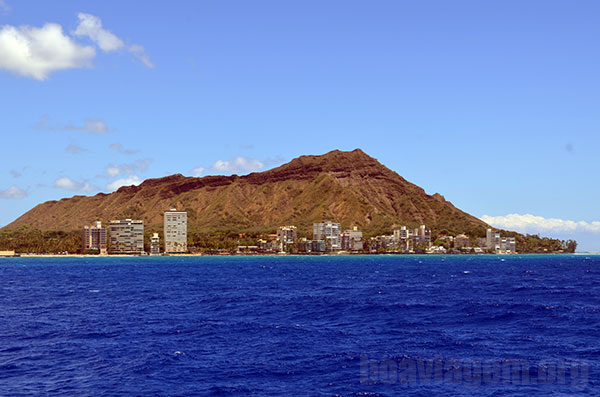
[(175, 230)]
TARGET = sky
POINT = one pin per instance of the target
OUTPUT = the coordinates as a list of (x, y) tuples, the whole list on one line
[(492, 104)]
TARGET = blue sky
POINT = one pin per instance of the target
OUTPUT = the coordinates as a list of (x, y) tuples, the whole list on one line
[(492, 104)]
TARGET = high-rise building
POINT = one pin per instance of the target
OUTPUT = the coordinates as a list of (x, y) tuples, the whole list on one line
[(423, 235), (126, 237), (508, 245), (330, 232), (175, 223), (94, 238), (155, 244), (286, 236), (492, 240), (404, 238), (352, 240)]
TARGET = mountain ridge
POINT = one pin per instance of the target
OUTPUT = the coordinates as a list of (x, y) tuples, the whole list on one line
[(348, 187)]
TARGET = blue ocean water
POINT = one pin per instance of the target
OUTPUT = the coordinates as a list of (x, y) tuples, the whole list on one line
[(328, 325)]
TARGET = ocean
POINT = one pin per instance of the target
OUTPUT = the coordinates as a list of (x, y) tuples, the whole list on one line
[(297, 325)]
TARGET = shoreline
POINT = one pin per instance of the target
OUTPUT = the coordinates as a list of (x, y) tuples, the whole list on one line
[(278, 255)]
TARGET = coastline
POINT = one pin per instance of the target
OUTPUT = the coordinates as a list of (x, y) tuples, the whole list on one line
[(284, 255)]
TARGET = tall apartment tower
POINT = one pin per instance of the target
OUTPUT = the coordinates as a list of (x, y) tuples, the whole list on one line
[(330, 232), (175, 231), (404, 238), (94, 238), (126, 237), (423, 234), (286, 236), (492, 240)]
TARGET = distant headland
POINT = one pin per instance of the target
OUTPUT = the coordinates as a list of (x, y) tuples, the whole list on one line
[(224, 213)]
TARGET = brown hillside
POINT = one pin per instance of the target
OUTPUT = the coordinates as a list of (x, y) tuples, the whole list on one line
[(348, 187)]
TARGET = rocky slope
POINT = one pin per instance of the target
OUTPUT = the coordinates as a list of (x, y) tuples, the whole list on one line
[(349, 187)]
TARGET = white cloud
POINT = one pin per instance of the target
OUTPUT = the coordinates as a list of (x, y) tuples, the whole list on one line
[(13, 192), (91, 26), (37, 52), (140, 53), (95, 126), (130, 180), (238, 165), (117, 147), (113, 170), (130, 169), (198, 171), (69, 184), (536, 224), (75, 149)]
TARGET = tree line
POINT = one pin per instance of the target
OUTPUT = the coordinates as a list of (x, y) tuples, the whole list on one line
[(30, 240)]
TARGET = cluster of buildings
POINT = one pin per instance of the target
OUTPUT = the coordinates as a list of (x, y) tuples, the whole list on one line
[(492, 243), (403, 240), (498, 244), (126, 236), (329, 237)]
